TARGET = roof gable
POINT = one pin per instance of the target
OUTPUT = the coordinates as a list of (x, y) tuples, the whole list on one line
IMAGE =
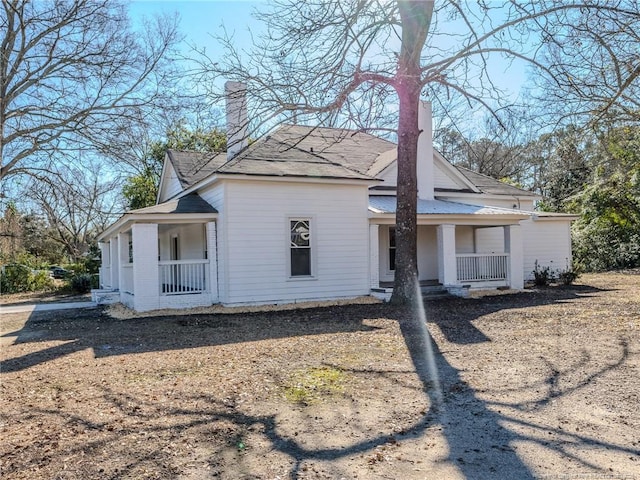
[(448, 176), (191, 167)]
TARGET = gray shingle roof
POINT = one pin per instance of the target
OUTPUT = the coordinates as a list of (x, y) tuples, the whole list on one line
[(320, 152), (490, 185), (291, 150), (353, 149), (191, 203)]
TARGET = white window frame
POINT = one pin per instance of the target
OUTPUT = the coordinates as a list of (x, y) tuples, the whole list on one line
[(312, 247)]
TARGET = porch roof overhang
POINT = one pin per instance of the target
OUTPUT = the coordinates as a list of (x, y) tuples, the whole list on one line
[(436, 212), (553, 217), (188, 209)]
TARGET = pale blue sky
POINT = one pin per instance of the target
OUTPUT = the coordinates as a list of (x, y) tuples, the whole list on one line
[(199, 19)]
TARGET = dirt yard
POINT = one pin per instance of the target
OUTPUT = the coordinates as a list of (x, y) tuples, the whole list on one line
[(539, 384)]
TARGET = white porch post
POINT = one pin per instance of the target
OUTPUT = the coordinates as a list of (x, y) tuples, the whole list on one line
[(146, 286), (105, 261), (374, 256), (513, 246), (114, 261), (212, 255), (122, 257), (447, 268)]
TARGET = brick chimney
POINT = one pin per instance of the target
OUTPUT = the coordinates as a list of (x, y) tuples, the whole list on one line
[(236, 106)]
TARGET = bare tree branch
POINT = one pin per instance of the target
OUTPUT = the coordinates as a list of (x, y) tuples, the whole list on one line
[(70, 71)]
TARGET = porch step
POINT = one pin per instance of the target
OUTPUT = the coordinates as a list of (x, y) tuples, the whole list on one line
[(429, 291), (434, 291), (105, 296)]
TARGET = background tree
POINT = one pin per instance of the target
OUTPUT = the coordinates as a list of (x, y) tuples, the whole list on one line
[(343, 62), (568, 168), (10, 234), (38, 240), (72, 74), (607, 234), (77, 204), (141, 190), (589, 65), (26, 238)]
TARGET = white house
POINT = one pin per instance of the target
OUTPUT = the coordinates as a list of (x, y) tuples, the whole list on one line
[(308, 213)]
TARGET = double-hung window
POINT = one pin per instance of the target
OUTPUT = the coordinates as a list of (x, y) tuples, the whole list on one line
[(300, 247)]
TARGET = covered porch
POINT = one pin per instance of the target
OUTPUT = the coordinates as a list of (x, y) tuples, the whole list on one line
[(162, 257), (459, 246)]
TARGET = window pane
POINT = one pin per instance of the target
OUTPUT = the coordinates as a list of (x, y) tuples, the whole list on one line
[(300, 261), (300, 233)]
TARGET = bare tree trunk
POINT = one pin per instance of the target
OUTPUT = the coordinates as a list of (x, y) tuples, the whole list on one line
[(407, 196), (416, 19)]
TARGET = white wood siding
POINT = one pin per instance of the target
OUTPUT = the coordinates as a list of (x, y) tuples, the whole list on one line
[(389, 176), (191, 241), (427, 252), (216, 196), (170, 184), (256, 223), (548, 242), (490, 240), (442, 180), (385, 274), (464, 239)]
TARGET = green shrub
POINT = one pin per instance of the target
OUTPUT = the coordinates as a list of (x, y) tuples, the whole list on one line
[(568, 275), (40, 280), (82, 283), (75, 268), (16, 278), (542, 276)]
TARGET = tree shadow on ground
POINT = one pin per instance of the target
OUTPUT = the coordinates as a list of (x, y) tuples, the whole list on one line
[(455, 316), (106, 336), (480, 445)]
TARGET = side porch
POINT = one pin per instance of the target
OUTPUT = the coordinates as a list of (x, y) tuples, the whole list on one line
[(153, 260), (455, 253)]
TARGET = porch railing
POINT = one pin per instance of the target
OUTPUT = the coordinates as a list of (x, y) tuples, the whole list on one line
[(183, 276), (478, 267)]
